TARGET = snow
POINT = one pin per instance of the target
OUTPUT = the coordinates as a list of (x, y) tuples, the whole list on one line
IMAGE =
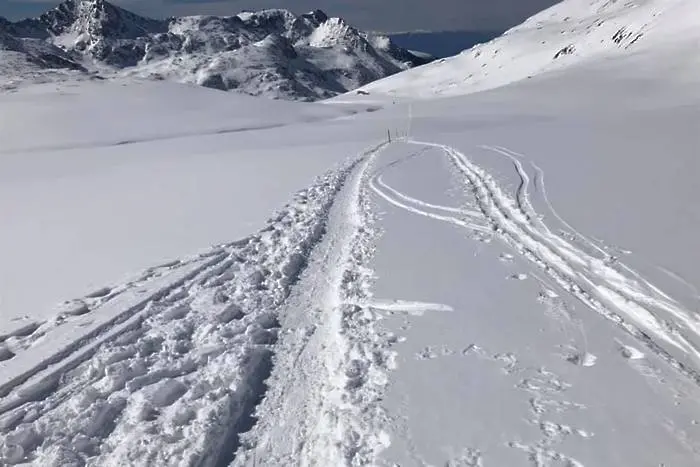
[(164, 157), (155, 361), (511, 280), (520, 369), (563, 36), (271, 53), (333, 32)]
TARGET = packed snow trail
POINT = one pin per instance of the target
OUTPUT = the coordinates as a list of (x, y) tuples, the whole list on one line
[(323, 407), (604, 285), (168, 369)]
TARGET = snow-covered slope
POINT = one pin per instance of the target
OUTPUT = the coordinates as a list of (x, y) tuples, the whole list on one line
[(273, 53), (512, 280), (565, 35)]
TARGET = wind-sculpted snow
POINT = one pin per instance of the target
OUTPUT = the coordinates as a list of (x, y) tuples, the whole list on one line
[(272, 53)]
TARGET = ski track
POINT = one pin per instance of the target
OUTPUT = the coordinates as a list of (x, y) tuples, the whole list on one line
[(465, 212), (408, 203), (593, 248), (592, 280), (168, 369), (521, 195), (601, 251), (609, 288)]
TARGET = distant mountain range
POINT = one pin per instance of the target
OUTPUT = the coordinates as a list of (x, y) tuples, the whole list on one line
[(271, 53)]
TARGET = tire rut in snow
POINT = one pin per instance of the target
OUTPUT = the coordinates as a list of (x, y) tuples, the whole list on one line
[(176, 378)]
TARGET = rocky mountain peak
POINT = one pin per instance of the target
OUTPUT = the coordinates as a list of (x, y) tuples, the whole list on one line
[(271, 52), (98, 18)]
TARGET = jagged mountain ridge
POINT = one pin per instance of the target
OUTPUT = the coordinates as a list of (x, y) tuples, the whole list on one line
[(27, 58), (274, 53)]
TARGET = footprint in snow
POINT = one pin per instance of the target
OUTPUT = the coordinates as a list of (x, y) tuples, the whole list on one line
[(430, 353), (5, 354), (73, 308), (630, 353), (21, 330), (426, 354), (469, 457), (547, 295), (481, 237), (509, 362), (638, 361), (506, 257), (474, 349), (582, 359)]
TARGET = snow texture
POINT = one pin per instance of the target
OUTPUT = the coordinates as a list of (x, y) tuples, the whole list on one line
[(499, 278)]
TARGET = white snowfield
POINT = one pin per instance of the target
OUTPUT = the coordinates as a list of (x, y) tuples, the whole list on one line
[(512, 280)]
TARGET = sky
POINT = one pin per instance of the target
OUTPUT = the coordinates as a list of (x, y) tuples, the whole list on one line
[(372, 15)]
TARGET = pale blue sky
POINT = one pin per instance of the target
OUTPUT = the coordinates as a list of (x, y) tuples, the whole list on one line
[(377, 15)]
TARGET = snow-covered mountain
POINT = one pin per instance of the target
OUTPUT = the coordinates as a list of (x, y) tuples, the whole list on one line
[(30, 58), (272, 53), (34, 52), (567, 34)]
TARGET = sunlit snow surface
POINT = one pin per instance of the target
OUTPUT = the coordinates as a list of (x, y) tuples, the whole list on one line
[(194, 278)]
